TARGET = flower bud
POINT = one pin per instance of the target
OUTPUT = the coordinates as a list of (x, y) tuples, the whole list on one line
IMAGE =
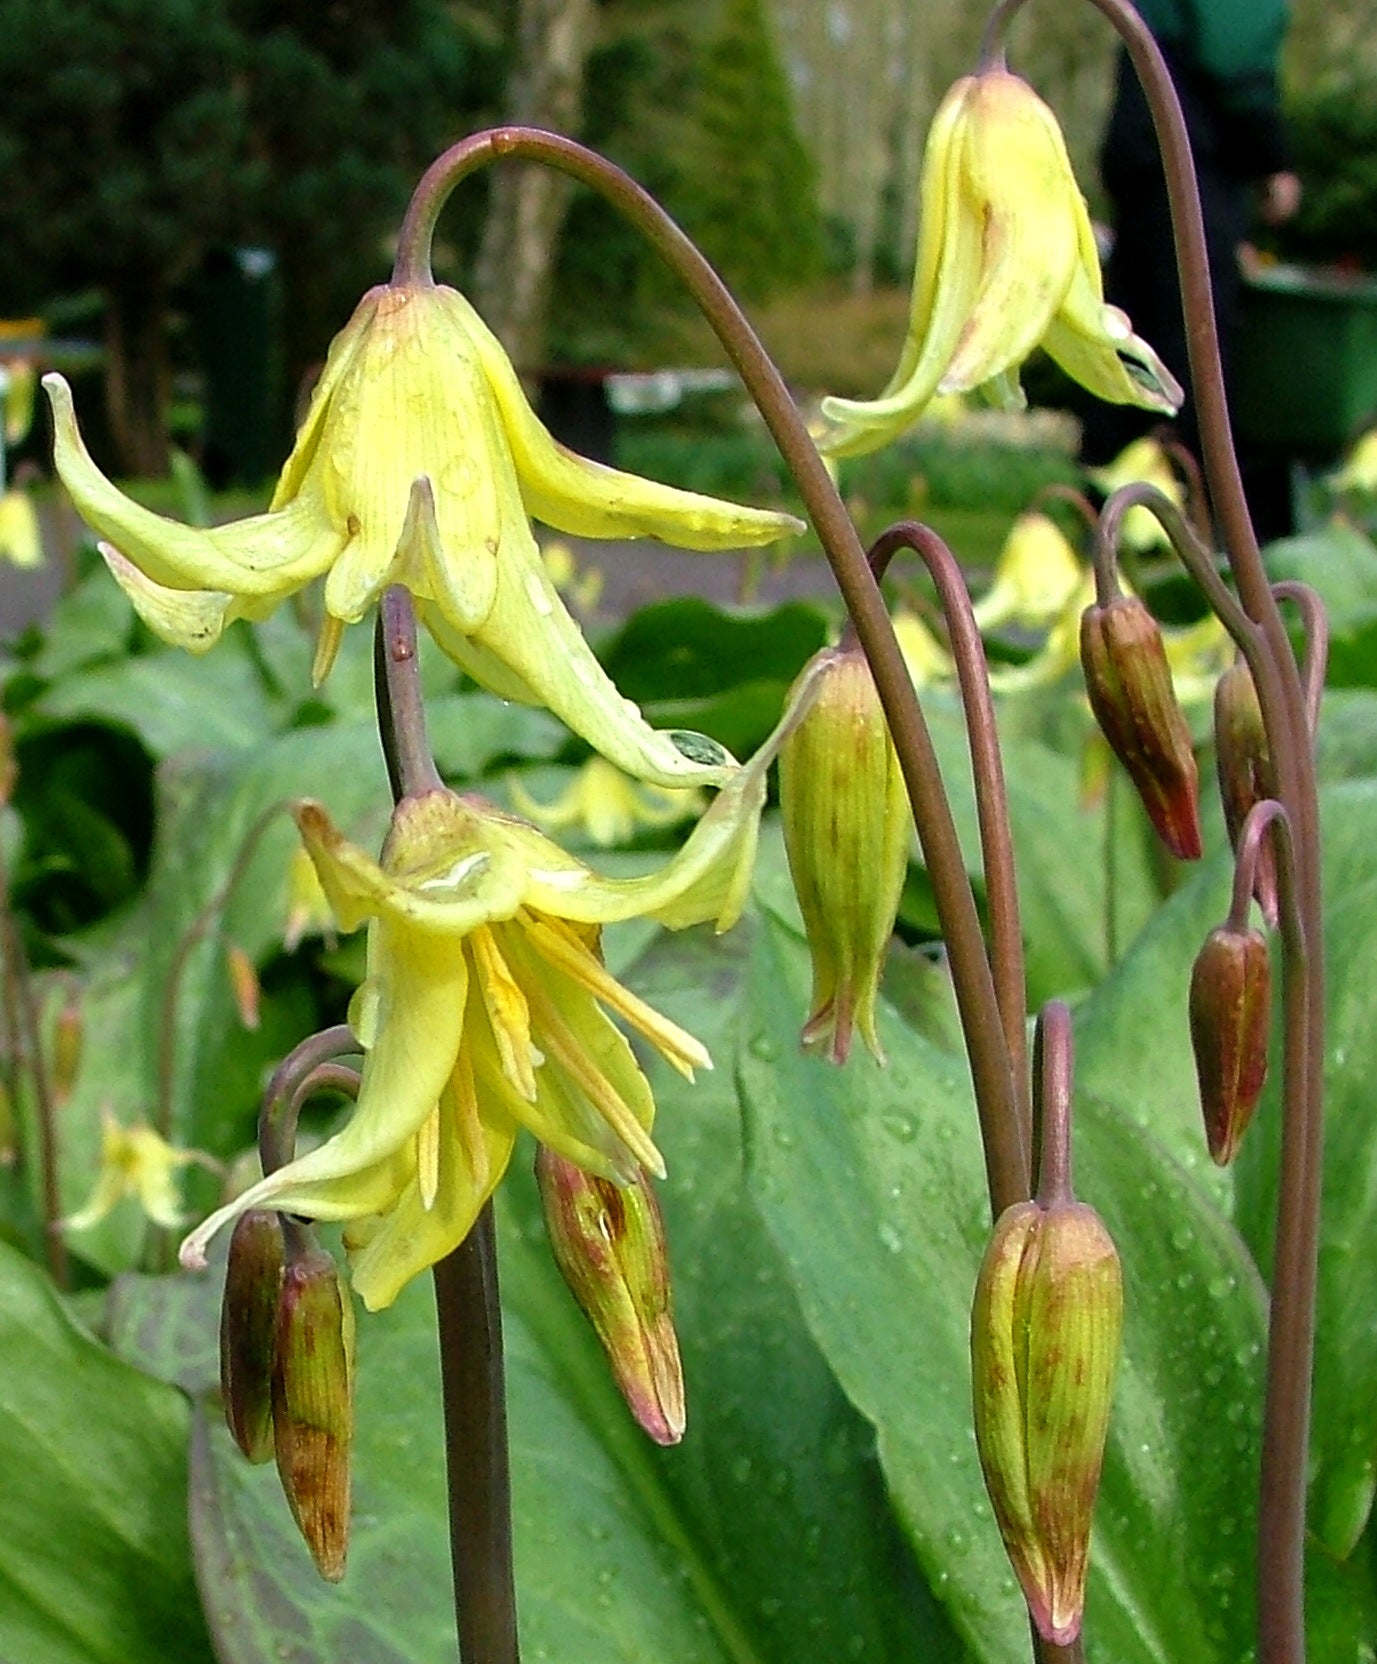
[(609, 1243), (248, 1331), (846, 828), (66, 1049), (1044, 1344), (1128, 680), (1231, 1008), (244, 986), (1246, 777), (313, 1405)]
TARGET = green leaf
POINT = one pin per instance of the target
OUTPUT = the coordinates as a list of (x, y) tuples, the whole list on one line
[(94, 1563), (765, 1538), (871, 1183), (1344, 1408), (690, 649)]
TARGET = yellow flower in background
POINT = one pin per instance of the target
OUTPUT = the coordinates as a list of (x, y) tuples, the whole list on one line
[(583, 585), (606, 805), (925, 656), (1036, 574), (18, 384), (420, 463), (1359, 472), (1144, 461), (1198, 655), (1060, 653), (308, 910), (21, 541), (134, 1162), (1006, 262)]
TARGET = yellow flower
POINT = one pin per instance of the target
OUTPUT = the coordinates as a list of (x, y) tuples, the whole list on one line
[(18, 381), (21, 542), (1144, 460), (925, 656), (1036, 574), (134, 1161), (1359, 472), (1006, 262), (419, 463), (485, 1008), (308, 911), (1060, 653), (606, 806)]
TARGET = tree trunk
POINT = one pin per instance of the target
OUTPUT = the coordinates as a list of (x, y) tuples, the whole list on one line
[(137, 373), (528, 204)]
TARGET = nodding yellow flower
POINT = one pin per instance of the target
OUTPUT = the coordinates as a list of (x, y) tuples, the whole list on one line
[(420, 463), (18, 383), (1060, 653), (21, 542), (134, 1161), (1035, 576), (485, 1008), (1143, 461), (1006, 262), (605, 805), (925, 656), (1359, 472)]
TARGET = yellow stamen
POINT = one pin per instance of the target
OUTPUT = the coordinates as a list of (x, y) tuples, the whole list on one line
[(507, 1011)]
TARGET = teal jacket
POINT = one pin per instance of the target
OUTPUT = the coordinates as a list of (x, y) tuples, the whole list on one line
[(1223, 56)]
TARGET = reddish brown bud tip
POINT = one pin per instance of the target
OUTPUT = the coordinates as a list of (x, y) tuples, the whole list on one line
[(248, 1330), (609, 1242), (1230, 1007), (1128, 680), (313, 1406)]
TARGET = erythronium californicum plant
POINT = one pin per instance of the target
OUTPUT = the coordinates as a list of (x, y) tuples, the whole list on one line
[(486, 1005)]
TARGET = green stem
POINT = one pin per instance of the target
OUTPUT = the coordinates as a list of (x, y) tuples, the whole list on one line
[(1052, 1067), (991, 1069), (468, 1310)]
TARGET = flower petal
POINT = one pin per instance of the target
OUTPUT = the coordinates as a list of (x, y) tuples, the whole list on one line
[(266, 555), (191, 618), (588, 499)]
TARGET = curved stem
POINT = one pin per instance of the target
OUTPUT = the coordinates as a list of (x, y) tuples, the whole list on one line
[(1005, 1159), (1059, 491), (991, 794), (283, 1097), (1315, 623), (1259, 818)]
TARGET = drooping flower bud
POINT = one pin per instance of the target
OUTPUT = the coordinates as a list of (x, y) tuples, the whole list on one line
[(609, 1243), (66, 1048), (248, 1331), (1230, 1007), (1246, 776), (1128, 680), (313, 1405), (244, 985), (1045, 1334), (846, 826)]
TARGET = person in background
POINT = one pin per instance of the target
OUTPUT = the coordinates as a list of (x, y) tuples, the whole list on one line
[(1223, 56)]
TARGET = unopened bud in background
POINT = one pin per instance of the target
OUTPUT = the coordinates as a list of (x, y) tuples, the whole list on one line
[(313, 1404), (1246, 776), (846, 830), (1129, 683), (244, 985), (1230, 1008), (609, 1243), (248, 1331), (66, 1048), (1045, 1333)]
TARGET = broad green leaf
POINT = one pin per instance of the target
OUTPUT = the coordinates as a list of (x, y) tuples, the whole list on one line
[(765, 1538), (94, 1563), (871, 1183), (690, 649), (1344, 1411)]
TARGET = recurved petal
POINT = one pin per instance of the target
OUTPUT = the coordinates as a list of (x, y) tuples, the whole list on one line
[(472, 879), (191, 618), (530, 649), (587, 499), (1096, 346), (421, 989), (267, 555)]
